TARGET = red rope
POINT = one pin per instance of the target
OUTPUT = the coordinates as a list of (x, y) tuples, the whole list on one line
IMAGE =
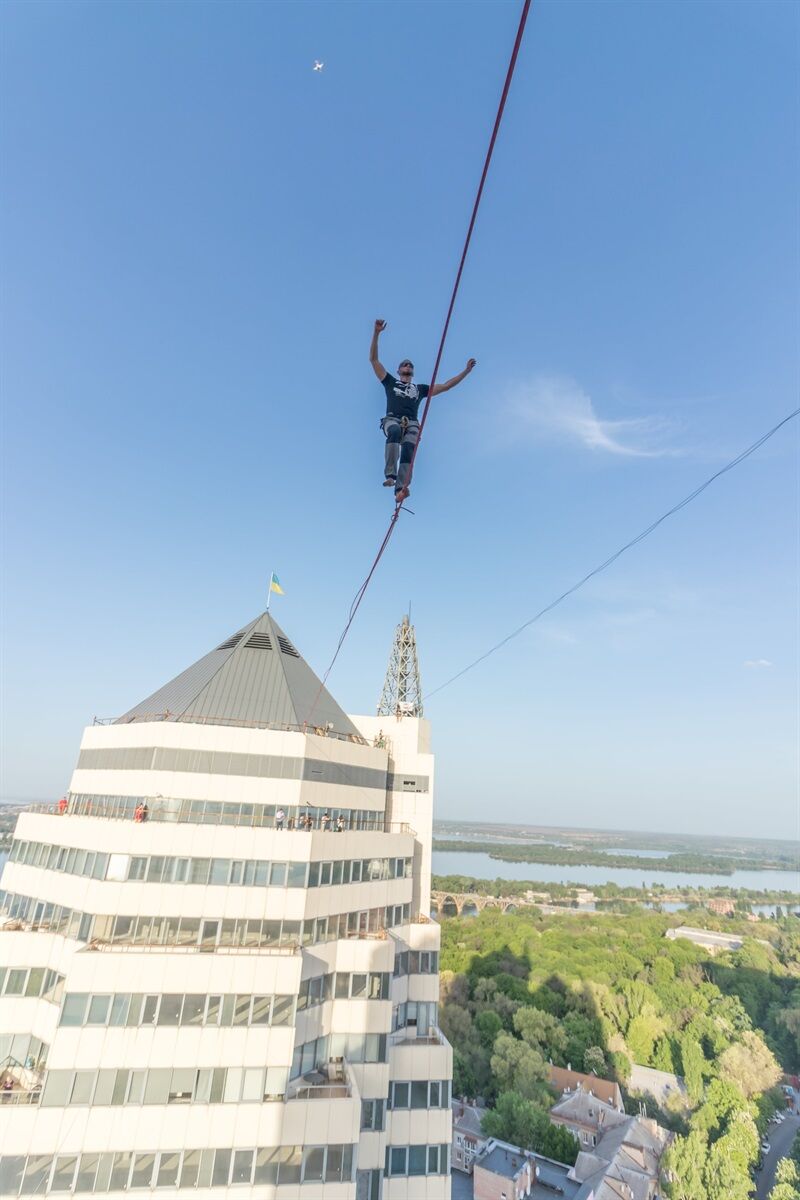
[(359, 596), (500, 108)]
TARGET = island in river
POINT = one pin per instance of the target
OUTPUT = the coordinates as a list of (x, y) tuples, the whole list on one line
[(566, 847)]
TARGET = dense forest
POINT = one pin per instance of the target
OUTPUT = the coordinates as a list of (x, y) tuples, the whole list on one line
[(602, 992)]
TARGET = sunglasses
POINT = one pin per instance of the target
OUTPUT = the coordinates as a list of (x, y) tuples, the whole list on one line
[(403, 366)]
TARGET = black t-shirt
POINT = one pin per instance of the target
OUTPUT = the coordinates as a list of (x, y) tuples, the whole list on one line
[(403, 399)]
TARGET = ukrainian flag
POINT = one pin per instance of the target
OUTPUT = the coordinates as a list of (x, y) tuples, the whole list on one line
[(275, 585)]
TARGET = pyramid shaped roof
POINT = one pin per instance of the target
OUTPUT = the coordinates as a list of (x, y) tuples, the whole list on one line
[(254, 678)]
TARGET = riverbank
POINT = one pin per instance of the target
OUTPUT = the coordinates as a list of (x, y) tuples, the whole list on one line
[(476, 863), (610, 895), (584, 856)]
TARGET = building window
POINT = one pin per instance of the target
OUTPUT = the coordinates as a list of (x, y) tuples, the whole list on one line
[(209, 871), (368, 1185), (189, 931), (418, 1160), (372, 1114), (182, 1085), (435, 1094), (132, 1009), (421, 1015)]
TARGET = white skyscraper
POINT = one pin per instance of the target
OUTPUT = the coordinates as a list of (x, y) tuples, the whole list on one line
[(217, 970)]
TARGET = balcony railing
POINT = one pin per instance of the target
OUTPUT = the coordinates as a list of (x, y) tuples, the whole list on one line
[(20, 1084), (160, 809), (432, 1036), (166, 715), (19, 1096), (287, 951), (332, 1082)]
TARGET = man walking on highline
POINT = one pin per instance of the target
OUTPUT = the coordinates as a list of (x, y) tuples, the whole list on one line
[(400, 425)]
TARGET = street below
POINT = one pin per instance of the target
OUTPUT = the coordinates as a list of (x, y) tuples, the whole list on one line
[(780, 1139)]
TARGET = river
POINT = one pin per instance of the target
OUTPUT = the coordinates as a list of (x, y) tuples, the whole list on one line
[(481, 866)]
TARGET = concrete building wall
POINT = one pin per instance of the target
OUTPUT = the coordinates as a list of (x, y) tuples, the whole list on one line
[(408, 743), (489, 1186), (310, 1113)]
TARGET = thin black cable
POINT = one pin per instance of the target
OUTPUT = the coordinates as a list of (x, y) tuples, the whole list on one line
[(359, 596), (628, 546)]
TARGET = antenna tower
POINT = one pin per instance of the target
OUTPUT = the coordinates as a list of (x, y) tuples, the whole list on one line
[(402, 690)]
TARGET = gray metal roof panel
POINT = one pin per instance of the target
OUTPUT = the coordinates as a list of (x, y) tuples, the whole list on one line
[(174, 696), (268, 684)]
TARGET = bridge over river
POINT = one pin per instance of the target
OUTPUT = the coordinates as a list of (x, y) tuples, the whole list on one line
[(468, 904)]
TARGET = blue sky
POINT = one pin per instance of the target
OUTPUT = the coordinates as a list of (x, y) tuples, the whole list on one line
[(198, 233)]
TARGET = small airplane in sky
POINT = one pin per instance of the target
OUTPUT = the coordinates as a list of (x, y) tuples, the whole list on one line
[(318, 65)]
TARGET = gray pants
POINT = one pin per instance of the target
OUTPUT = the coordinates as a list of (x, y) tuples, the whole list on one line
[(401, 438)]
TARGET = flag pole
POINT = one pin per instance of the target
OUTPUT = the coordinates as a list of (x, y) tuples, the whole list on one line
[(269, 589)]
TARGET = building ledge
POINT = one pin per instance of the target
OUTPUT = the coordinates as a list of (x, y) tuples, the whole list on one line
[(406, 1037), (172, 718), (289, 951)]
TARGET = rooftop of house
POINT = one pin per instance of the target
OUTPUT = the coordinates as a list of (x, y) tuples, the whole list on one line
[(662, 1085), (467, 1118), (587, 1110), (565, 1080), (555, 1177), (507, 1161), (624, 1163), (503, 1160)]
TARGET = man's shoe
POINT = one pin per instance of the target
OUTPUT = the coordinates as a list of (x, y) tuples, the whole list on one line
[(402, 494), (390, 481)]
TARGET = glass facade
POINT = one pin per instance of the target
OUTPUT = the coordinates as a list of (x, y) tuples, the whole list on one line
[(419, 1093), (164, 1085), (206, 934), (217, 812), (355, 1047), (237, 872), (224, 762), (168, 1169), (417, 1160), (32, 981), (138, 1008)]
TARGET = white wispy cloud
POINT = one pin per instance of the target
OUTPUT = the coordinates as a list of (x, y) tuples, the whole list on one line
[(758, 662), (557, 408)]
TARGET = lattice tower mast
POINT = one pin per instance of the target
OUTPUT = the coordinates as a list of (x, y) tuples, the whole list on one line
[(402, 689)]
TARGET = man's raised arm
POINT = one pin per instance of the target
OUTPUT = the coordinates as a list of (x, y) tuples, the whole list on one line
[(377, 366), (451, 383)]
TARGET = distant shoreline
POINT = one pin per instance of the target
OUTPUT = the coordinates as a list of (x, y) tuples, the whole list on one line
[(610, 892), (718, 844), (709, 864)]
